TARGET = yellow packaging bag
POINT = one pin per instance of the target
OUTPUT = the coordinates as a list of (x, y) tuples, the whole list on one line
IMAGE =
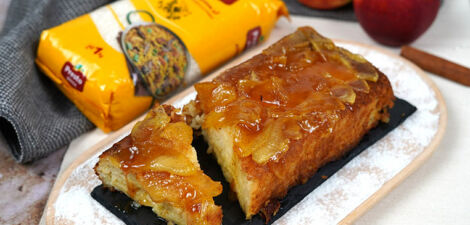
[(113, 61)]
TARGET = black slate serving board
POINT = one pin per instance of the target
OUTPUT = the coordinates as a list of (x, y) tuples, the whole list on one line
[(122, 206)]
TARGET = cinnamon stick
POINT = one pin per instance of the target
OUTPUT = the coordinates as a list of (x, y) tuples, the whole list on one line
[(437, 65)]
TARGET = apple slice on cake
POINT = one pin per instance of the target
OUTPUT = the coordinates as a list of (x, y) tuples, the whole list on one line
[(157, 167)]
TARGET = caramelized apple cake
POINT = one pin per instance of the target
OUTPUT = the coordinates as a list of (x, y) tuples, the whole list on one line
[(273, 120), (157, 166)]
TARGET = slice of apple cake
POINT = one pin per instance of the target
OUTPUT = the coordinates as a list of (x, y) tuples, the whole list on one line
[(156, 166)]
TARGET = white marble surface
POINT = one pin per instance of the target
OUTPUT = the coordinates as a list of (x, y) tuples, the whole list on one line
[(25, 188)]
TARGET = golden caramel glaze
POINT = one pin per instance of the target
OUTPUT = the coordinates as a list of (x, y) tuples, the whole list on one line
[(300, 104), (159, 154)]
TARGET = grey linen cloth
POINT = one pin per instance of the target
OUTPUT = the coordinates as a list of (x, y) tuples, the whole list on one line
[(35, 117)]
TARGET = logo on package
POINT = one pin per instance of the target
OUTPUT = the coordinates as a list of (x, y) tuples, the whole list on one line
[(74, 75)]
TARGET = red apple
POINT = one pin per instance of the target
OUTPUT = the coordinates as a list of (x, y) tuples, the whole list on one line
[(395, 22), (324, 4)]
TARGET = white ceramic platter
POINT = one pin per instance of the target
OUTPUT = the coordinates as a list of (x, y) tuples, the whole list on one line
[(340, 199)]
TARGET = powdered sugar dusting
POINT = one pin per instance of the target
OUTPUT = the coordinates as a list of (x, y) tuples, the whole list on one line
[(337, 196), (74, 204), (77, 207)]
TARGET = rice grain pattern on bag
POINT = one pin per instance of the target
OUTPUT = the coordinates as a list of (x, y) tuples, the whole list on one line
[(113, 61)]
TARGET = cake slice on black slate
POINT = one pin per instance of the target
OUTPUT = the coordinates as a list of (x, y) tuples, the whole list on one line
[(157, 167)]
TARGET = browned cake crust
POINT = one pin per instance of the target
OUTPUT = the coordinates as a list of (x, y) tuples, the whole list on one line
[(259, 185), (297, 165)]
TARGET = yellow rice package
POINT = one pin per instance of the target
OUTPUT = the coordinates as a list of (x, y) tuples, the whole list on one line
[(115, 60)]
